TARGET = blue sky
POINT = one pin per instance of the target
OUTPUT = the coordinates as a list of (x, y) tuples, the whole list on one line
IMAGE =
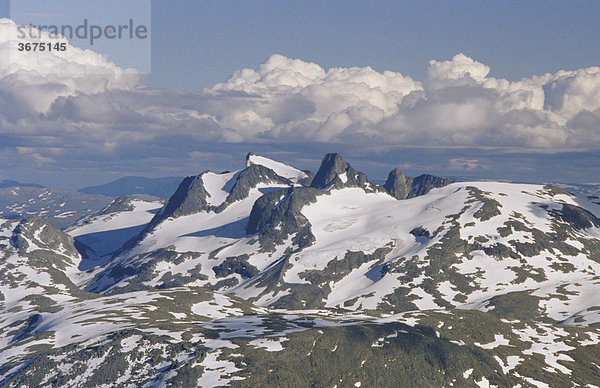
[(483, 108), (134, 53), (199, 43)]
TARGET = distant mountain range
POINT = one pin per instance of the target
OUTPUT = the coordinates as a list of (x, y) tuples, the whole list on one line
[(60, 207), (276, 276), (130, 185), (587, 189), (10, 183)]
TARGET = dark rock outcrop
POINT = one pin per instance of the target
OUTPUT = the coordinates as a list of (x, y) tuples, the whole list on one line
[(239, 265), (189, 198), (579, 218), (249, 178), (336, 173), (402, 187), (397, 184), (119, 204), (38, 231), (277, 215), (423, 184)]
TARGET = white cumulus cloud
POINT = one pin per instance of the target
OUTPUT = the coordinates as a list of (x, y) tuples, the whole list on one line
[(31, 81), (79, 102), (457, 105)]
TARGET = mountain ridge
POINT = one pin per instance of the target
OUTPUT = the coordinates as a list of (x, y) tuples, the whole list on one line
[(259, 273)]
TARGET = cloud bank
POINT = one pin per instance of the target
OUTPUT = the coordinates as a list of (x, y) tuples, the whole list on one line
[(76, 105)]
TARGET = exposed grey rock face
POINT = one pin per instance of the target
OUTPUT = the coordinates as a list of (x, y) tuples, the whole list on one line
[(189, 198), (577, 217), (38, 256), (403, 187), (332, 166), (397, 184), (277, 215), (332, 172), (248, 179), (261, 211), (237, 265), (119, 204), (37, 233), (336, 173), (424, 183)]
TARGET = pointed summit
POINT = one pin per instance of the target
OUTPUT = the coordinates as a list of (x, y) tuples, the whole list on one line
[(335, 172), (253, 176), (397, 184), (189, 198), (283, 170), (215, 191), (249, 157), (333, 167)]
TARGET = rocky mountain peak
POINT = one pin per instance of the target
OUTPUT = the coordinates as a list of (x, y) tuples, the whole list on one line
[(336, 173), (277, 214), (253, 176), (250, 157), (37, 233), (498, 278), (120, 204), (396, 184), (332, 167), (286, 171), (214, 192), (46, 246), (189, 198), (403, 187)]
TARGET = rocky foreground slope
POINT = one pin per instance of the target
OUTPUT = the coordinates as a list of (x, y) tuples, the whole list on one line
[(275, 276)]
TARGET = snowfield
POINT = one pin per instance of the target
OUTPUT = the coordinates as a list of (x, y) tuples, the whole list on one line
[(504, 274)]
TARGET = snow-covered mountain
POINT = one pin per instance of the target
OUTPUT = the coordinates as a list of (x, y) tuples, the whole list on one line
[(12, 183), (272, 269), (344, 242), (103, 233)]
